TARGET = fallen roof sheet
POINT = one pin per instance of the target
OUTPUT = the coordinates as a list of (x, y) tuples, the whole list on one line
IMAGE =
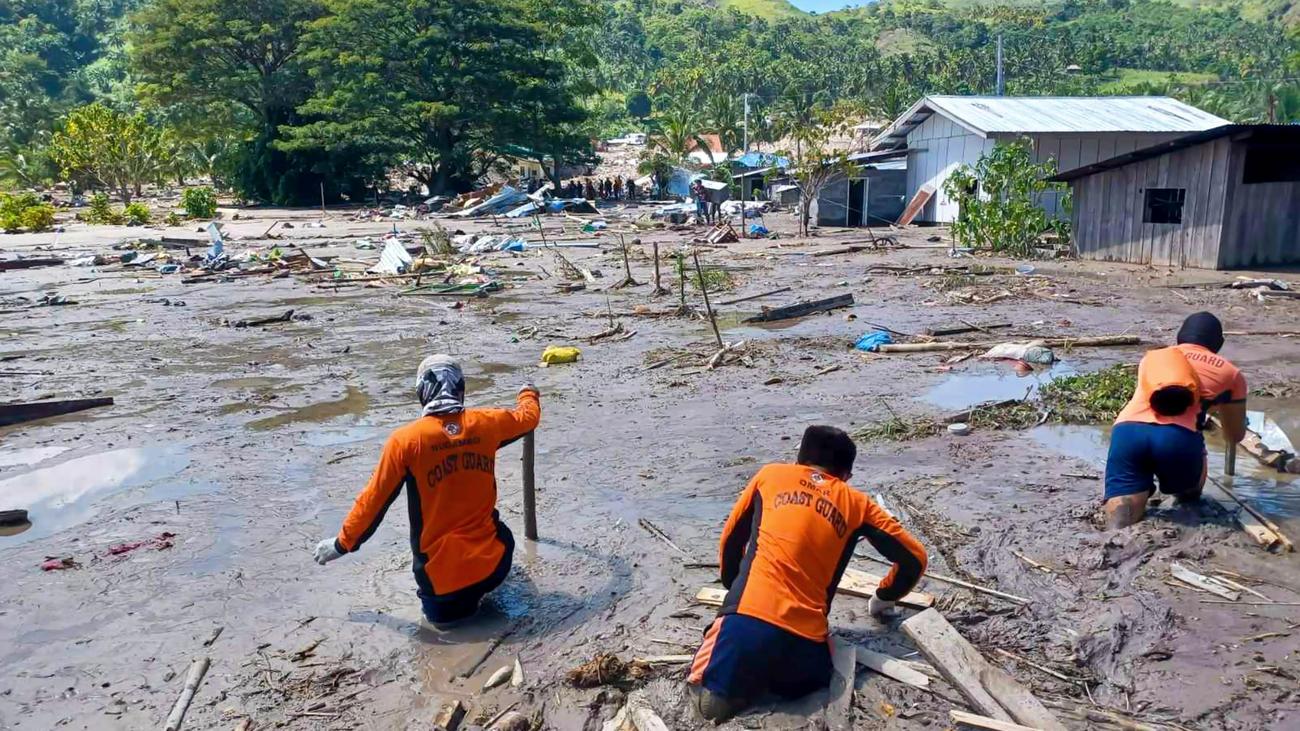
[(993, 115)]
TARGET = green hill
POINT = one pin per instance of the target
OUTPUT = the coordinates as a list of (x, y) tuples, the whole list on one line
[(764, 8)]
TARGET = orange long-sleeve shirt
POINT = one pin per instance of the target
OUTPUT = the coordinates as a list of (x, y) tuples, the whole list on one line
[(789, 538), (447, 463)]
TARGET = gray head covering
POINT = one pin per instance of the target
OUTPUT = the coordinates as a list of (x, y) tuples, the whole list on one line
[(440, 385)]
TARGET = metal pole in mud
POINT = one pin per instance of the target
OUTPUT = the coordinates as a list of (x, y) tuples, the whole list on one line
[(530, 496), (1230, 460)]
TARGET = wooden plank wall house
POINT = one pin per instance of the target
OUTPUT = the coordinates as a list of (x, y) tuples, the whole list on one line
[(1227, 198)]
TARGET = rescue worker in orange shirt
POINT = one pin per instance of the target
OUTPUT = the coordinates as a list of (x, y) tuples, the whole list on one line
[(445, 461), (783, 551), (1157, 436)]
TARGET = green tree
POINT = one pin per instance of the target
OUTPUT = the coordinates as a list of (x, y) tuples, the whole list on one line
[(723, 118), (1000, 200), (100, 148), (438, 84), (677, 132)]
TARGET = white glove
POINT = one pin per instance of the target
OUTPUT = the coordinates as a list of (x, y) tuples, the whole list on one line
[(326, 552), (877, 606)]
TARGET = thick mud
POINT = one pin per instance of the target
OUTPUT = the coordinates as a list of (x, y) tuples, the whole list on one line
[(248, 444)]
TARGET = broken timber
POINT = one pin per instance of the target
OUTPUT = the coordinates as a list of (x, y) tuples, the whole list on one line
[(1186, 575), (990, 690), (760, 295), (853, 583), (936, 332), (1255, 523), (19, 413), (9, 264), (892, 667), (803, 308)]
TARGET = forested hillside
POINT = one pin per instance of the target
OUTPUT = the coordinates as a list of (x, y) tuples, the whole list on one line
[(272, 96)]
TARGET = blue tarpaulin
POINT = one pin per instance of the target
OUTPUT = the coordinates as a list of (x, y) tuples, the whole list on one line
[(762, 160), (872, 341)]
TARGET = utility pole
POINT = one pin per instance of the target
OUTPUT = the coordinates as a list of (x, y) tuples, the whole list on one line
[(1001, 87), (745, 97)]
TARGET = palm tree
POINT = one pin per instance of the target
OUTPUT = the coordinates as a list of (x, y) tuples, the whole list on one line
[(723, 120), (679, 132)]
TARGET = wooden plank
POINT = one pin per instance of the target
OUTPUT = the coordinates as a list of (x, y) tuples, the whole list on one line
[(1182, 573), (1284, 542), (19, 413), (917, 203), (12, 264), (892, 667), (1249, 523), (856, 583), (936, 332), (450, 717), (962, 718), (990, 690), (839, 707), (803, 308)]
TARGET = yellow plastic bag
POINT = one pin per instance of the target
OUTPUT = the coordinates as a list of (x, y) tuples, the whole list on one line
[(556, 354)]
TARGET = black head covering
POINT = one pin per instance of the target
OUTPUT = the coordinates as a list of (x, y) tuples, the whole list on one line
[(1203, 329)]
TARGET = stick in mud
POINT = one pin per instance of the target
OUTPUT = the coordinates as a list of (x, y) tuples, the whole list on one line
[(659, 289), (530, 496), (197, 670), (704, 290)]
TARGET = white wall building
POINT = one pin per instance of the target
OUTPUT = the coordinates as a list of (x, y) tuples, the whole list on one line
[(942, 132)]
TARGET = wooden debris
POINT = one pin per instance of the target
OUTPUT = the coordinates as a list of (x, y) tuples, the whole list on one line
[(19, 413), (32, 263), (665, 659), (198, 669), (500, 677), (963, 584), (990, 690), (854, 583), (962, 718), (716, 359), (1219, 577), (847, 249), (803, 308), (760, 295), (517, 674), (915, 205), (1282, 542), (936, 332), (606, 669), (839, 707), (450, 717), (654, 530), (13, 517), (287, 316), (1034, 665), (215, 634), (1265, 636), (1040, 566), (1182, 573), (892, 667), (1091, 342)]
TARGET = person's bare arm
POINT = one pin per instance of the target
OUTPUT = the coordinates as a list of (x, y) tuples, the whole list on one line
[(1232, 416)]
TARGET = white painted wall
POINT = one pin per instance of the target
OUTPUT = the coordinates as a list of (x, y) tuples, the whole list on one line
[(938, 146)]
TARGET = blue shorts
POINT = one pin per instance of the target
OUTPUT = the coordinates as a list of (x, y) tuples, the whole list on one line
[(744, 658), (1142, 453)]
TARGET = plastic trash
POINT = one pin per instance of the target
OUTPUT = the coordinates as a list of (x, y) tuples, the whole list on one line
[(556, 354), (1025, 269), (1035, 353), (512, 245), (758, 229), (169, 268), (595, 226), (872, 341), (366, 244), (959, 429)]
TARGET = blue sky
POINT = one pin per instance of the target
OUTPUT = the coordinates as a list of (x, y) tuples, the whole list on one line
[(822, 6)]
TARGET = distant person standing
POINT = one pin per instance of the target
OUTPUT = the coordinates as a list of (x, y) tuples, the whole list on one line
[(591, 191), (701, 205), (618, 187), (631, 189)]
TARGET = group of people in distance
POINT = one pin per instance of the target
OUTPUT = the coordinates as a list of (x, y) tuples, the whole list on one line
[(792, 531), (601, 189)]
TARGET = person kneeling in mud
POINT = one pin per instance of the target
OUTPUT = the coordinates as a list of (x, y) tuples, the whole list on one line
[(783, 551), (1157, 436), (445, 460)]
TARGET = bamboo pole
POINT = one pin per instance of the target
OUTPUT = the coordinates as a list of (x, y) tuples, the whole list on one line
[(1090, 342), (198, 669), (708, 308), (1282, 538)]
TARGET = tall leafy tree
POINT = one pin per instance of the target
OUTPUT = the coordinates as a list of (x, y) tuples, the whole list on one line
[(442, 85)]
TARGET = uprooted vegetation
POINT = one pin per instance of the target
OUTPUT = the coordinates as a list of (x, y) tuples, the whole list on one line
[(1089, 398)]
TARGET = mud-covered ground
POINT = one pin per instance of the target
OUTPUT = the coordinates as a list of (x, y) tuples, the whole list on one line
[(248, 444)]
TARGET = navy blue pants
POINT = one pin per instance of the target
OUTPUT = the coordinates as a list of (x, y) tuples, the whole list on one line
[(744, 658), (1142, 453), (463, 603)]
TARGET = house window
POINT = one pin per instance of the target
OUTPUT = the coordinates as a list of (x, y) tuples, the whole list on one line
[(1164, 205), (1272, 163)]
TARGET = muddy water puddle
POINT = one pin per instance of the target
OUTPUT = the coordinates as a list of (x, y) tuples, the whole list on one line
[(1274, 494), (355, 402), (72, 492), (996, 382)]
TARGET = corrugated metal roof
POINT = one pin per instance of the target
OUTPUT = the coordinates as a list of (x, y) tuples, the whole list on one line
[(988, 115)]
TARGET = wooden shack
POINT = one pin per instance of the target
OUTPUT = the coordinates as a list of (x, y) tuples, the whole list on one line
[(1226, 198)]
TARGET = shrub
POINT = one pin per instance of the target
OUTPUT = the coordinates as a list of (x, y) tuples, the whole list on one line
[(24, 211), (1000, 201), (136, 214), (101, 211), (173, 219), (199, 202)]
